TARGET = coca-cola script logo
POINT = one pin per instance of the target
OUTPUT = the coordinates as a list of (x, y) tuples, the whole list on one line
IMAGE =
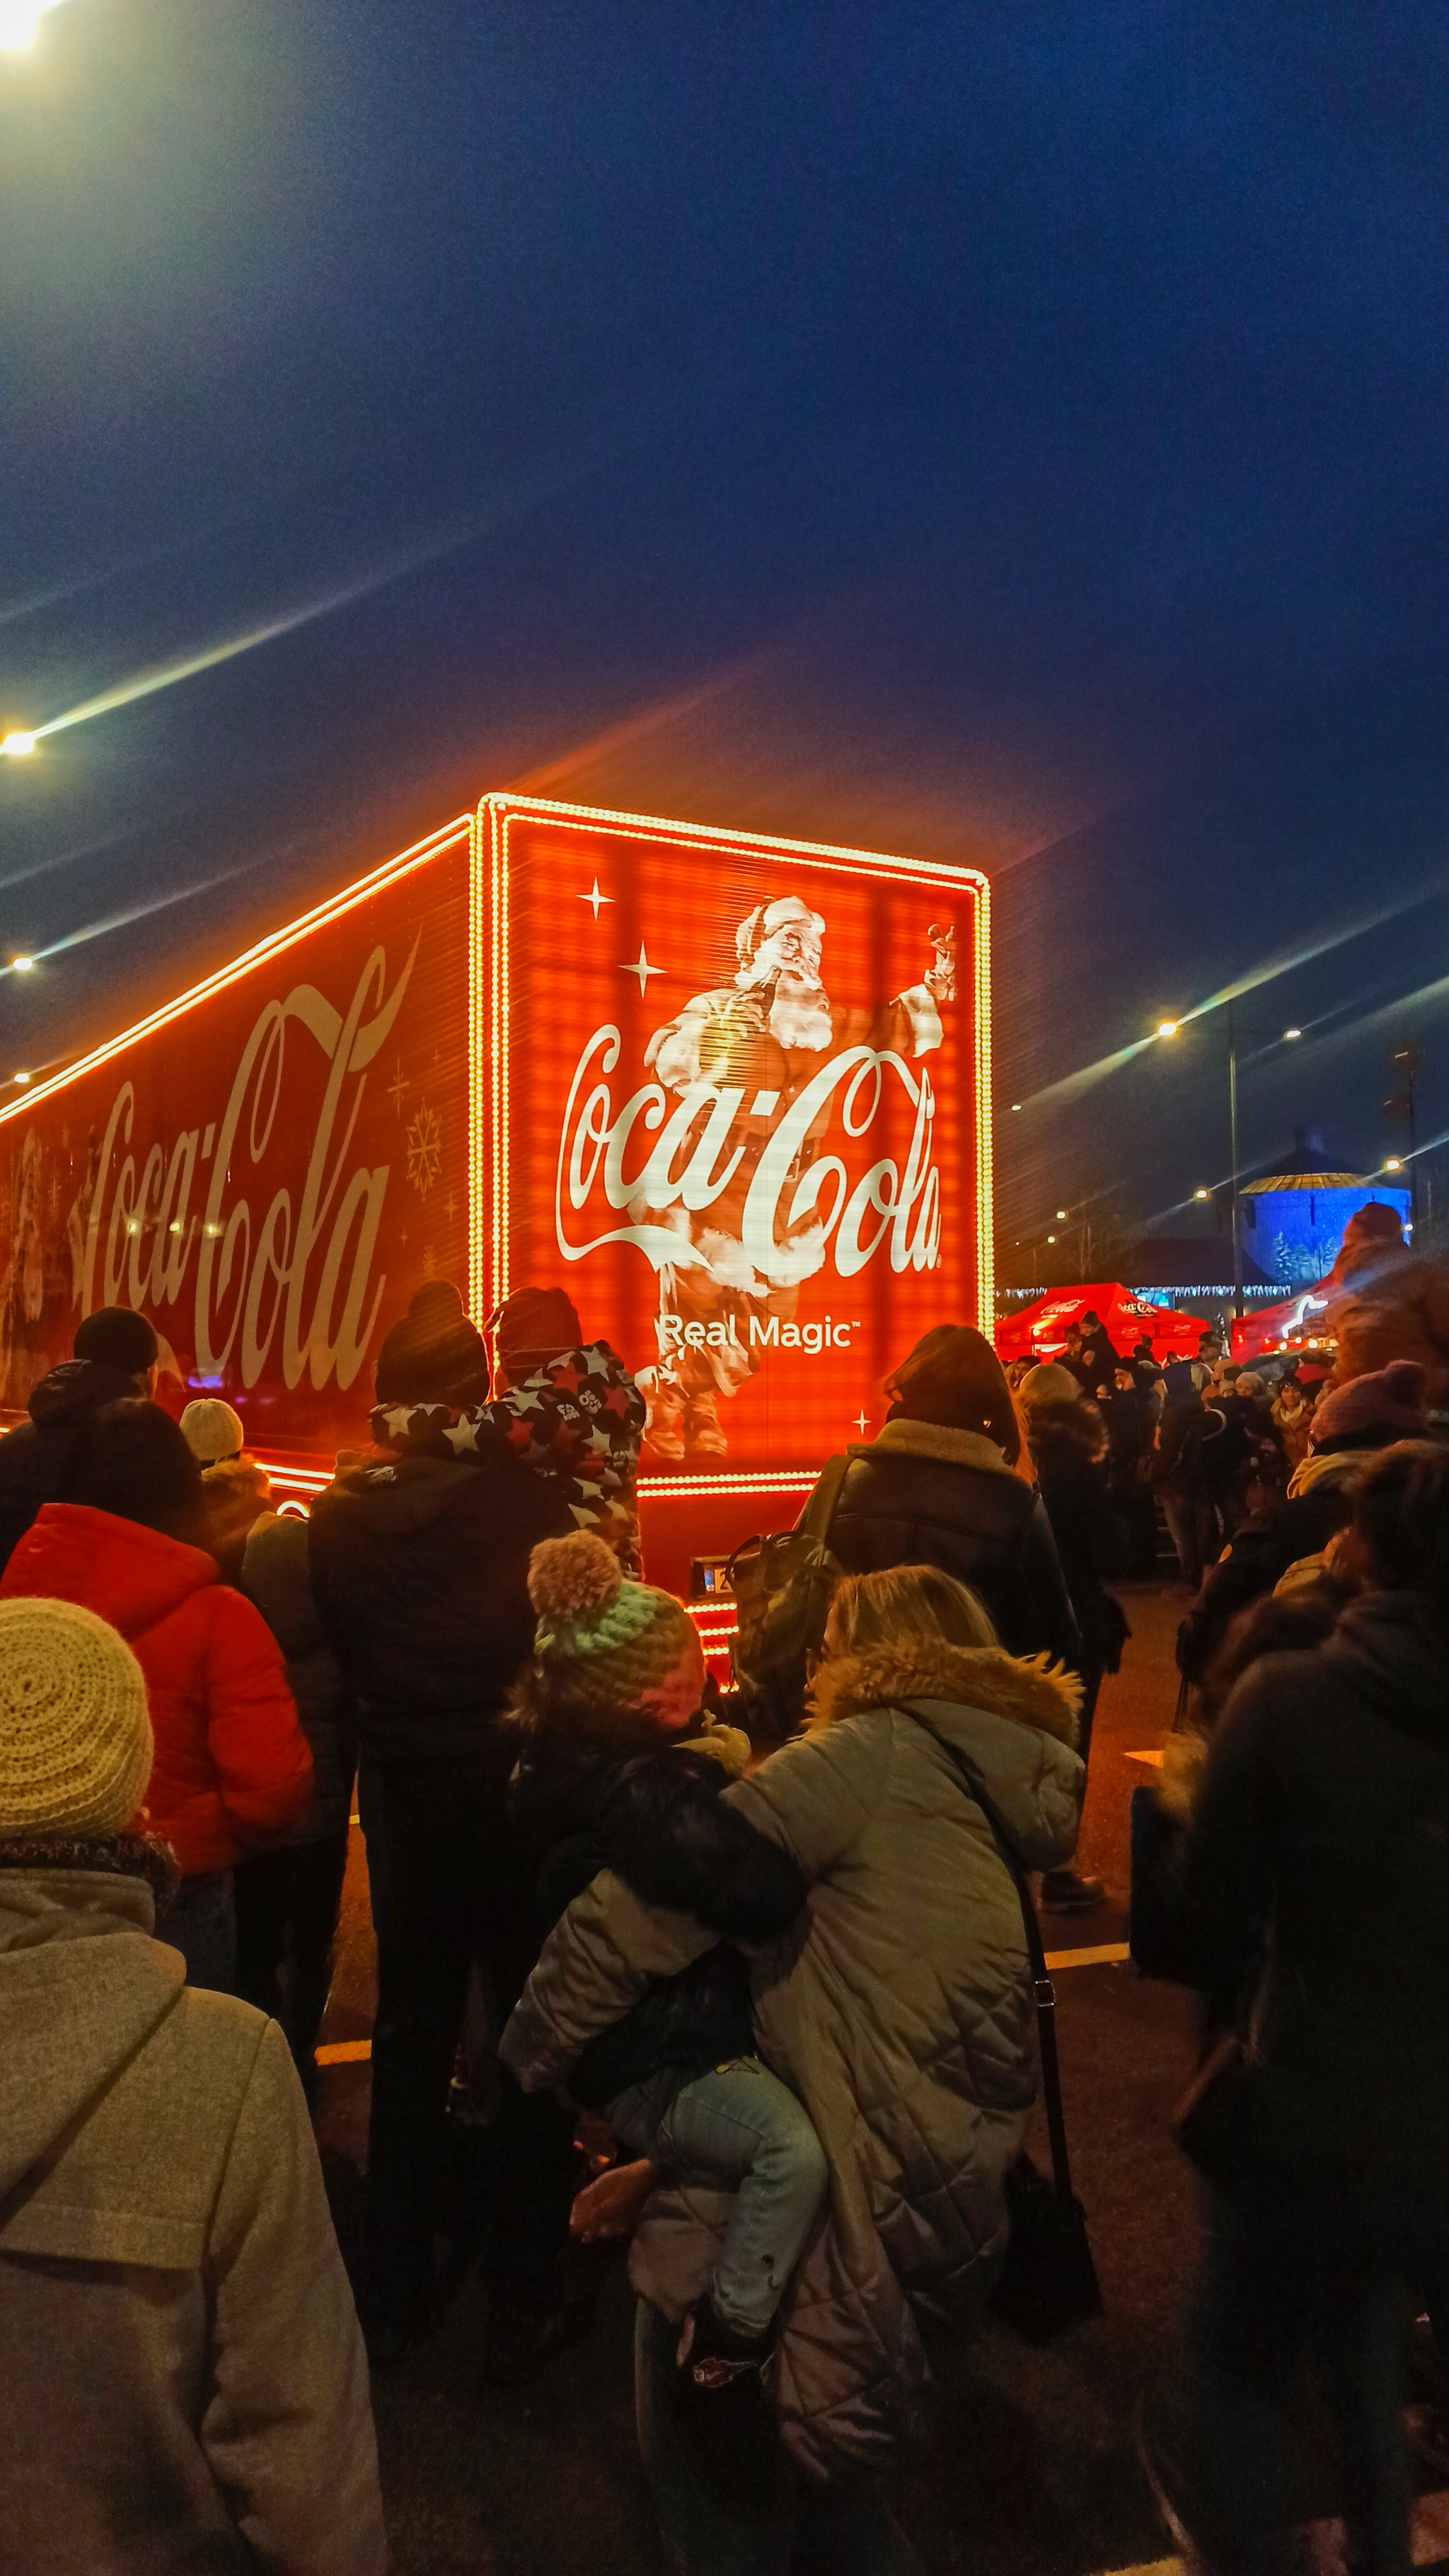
[(792, 1219), (305, 1266)]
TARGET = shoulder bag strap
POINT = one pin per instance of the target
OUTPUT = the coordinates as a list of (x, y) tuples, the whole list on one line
[(1043, 1991), (818, 1517)]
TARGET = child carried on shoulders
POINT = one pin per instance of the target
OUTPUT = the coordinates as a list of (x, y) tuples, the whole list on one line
[(618, 1770)]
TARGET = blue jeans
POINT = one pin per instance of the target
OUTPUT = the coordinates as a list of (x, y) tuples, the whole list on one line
[(739, 2123), (201, 1923), (1189, 1519), (841, 2530)]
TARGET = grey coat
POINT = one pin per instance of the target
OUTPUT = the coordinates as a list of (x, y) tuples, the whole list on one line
[(899, 2009), (184, 2382)]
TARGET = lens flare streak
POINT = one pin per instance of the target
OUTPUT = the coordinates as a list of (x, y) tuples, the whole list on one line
[(120, 920)]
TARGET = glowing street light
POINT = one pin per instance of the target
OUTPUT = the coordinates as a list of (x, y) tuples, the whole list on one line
[(17, 746), (1202, 1194), (1171, 1029), (1392, 1163), (22, 1079), (20, 23), (22, 965), (1061, 1212)]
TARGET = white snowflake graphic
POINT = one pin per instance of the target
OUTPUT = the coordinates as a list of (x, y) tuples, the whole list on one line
[(425, 1149)]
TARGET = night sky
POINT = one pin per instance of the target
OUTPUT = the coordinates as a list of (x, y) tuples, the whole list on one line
[(1014, 434)]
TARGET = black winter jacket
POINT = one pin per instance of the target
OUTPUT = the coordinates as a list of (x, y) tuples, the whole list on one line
[(656, 1819), (420, 1575), (1177, 1461), (1090, 1541), (36, 1455), (1261, 1551), (927, 1495), (1317, 1862)]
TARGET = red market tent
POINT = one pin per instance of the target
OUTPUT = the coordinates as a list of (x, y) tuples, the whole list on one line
[(1040, 1331), (1292, 1325)]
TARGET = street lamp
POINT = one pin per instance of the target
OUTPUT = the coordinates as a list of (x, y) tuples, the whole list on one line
[(20, 23), (18, 746), (1171, 1029), (22, 965)]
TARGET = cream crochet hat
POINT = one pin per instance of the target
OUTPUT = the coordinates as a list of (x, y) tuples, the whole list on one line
[(75, 1735), (212, 1430)]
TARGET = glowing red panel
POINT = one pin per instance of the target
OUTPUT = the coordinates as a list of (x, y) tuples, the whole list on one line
[(267, 1168), (731, 1092), (737, 1103)]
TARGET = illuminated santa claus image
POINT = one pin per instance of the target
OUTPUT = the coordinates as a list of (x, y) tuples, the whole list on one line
[(767, 1036)]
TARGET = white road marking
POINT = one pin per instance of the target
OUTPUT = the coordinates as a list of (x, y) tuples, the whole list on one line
[(1109, 1954)]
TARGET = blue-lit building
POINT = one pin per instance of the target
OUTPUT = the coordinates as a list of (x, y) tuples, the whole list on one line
[(1293, 1220)]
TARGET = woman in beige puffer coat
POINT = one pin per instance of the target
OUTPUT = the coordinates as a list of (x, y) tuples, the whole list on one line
[(900, 2008)]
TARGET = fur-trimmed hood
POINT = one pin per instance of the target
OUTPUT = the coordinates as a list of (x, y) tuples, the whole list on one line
[(1331, 1467), (939, 1440), (1028, 1689)]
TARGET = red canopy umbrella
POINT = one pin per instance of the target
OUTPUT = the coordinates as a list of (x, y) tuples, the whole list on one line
[(1040, 1331)]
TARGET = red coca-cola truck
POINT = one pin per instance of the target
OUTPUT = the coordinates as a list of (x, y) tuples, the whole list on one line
[(732, 1092)]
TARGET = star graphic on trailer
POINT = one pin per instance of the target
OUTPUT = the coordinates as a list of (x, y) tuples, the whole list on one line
[(642, 968), (397, 1087), (595, 900), (862, 1421)]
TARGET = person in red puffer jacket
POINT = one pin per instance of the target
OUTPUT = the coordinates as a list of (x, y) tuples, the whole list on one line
[(232, 1766)]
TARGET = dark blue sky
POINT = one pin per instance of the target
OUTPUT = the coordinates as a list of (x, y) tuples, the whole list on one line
[(1005, 432)]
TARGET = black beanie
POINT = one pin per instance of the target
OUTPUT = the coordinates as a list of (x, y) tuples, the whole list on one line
[(119, 1338), (534, 1324), (433, 1355)]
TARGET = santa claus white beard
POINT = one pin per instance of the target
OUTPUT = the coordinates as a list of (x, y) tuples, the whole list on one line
[(800, 1017)]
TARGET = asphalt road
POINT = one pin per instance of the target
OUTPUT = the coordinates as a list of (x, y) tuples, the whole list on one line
[(1033, 2469)]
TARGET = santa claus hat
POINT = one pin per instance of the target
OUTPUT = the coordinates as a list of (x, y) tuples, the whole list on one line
[(767, 918)]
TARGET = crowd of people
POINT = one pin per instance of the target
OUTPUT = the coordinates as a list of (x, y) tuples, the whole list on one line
[(764, 2009)]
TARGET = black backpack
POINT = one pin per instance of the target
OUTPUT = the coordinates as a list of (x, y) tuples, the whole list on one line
[(782, 1587)]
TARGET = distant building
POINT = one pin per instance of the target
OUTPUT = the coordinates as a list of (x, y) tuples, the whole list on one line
[(1294, 1217)]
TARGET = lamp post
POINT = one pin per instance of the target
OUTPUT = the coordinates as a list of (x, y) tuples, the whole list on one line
[(1172, 1029), (1409, 1059)]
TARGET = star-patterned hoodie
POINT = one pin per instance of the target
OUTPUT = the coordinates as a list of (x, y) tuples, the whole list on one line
[(577, 1421)]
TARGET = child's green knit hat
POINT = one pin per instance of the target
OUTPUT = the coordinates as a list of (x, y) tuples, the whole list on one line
[(598, 1632)]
